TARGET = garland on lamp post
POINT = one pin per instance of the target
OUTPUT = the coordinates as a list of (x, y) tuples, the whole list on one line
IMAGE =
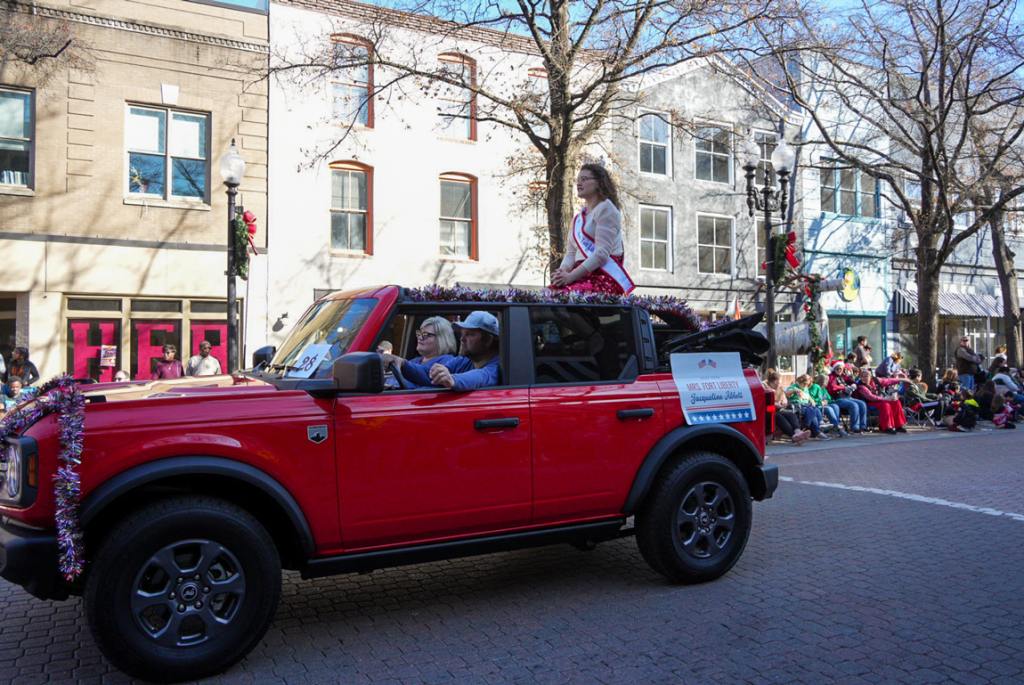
[(244, 227), (785, 264)]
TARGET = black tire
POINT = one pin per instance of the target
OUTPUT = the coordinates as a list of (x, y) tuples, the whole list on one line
[(223, 600), (695, 522)]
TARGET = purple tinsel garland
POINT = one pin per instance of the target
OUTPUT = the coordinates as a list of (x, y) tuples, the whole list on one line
[(663, 304), (62, 396)]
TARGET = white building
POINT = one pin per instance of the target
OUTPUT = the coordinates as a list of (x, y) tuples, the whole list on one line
[(410, 196)]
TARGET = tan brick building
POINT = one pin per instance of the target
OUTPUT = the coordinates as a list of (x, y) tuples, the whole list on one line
[(112, 211)]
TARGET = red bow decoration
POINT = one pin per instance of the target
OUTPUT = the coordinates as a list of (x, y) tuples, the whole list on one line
[(250, 225), (791, 257)]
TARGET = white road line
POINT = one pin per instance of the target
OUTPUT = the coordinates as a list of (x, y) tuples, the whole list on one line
[(909, 496)]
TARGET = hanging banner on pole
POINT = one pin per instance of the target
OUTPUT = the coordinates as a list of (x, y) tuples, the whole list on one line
[(712, 388)]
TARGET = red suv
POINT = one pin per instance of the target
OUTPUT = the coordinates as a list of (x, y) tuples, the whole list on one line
[(195, 493)]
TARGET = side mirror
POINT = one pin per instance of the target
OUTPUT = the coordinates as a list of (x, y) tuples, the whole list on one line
[(359, 372), (262, 356)]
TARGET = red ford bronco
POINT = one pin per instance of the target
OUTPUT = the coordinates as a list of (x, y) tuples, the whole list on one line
[(195, 493)]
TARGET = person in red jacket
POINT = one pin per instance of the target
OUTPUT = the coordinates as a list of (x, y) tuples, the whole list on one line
[(890, 410), (840, 386)]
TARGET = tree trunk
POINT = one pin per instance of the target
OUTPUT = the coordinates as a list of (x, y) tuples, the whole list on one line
[(1003, 257), (927, 307), (560, 169)]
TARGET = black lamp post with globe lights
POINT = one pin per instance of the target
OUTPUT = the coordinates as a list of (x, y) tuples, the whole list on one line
[(769, 199), (232, 171)]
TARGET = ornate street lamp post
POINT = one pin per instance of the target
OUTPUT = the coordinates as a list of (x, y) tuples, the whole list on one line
[(232, 170), (769, 199)]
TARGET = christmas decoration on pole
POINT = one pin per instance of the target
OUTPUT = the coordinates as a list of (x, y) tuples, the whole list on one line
[(241, 241)]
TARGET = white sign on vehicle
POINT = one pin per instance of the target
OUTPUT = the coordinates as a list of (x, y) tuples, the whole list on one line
[(309, 361), (712, 388)]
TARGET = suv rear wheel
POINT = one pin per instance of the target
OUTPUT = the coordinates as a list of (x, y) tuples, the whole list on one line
[(696, 520), (183, 589)]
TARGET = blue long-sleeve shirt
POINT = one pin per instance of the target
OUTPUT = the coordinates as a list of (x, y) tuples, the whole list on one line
[(465, 375)]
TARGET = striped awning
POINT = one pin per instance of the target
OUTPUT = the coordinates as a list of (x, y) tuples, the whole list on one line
[(977, 306)]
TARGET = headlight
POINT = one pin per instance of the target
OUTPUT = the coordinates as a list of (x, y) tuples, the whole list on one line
[(13, 479)]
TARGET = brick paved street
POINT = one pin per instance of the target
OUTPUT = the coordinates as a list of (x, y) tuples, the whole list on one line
[(835, 586)]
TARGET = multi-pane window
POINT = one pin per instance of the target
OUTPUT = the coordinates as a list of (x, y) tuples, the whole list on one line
[(654, 144), (766, 143), (15, 137), (352, 84), (912, 189), (167, 152), (848, 191), (655, 246), (458, 216), (457, 103), (714, 154), (351, 203), (714, 244)]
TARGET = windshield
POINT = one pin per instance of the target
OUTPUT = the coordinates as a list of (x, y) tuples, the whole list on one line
[(324, 333)]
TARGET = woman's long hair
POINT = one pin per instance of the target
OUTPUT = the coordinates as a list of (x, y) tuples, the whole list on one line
[(605, 184)]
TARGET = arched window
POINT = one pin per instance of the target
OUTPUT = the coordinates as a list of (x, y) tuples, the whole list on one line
[(457, 105), (351, 207), (352, 80), (459, 231)]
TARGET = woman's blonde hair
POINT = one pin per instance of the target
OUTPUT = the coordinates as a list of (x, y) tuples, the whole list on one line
[(950, 376), (445, 335), (605, 184)]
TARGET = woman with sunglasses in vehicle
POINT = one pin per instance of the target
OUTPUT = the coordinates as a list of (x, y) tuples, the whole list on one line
[(435, 344)]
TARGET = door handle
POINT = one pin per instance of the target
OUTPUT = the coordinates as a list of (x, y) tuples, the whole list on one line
[(627, 414), (487, 424)]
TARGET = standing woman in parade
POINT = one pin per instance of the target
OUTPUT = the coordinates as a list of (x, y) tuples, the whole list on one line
[(593, 255)]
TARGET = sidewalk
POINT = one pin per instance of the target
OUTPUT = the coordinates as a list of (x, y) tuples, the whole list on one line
[(913, 434)]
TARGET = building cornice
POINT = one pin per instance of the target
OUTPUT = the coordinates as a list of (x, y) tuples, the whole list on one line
[(103, 21), (374, 14)]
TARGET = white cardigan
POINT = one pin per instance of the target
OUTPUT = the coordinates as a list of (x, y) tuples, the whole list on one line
[(604, 224)]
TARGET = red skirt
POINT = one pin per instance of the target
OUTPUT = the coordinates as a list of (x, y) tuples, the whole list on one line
[(596, 282), (890, 413)]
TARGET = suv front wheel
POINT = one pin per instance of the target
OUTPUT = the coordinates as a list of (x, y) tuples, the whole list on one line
[(696, 520), (182, 589)]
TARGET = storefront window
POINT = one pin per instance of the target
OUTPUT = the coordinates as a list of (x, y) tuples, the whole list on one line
[(844, 331), (105, 335), (148, 340), (215, 333), (94, 348)]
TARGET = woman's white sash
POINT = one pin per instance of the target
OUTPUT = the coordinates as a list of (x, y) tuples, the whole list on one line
[(585, 244)]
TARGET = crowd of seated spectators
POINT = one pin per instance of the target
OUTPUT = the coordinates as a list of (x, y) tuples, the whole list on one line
[(841, 402)]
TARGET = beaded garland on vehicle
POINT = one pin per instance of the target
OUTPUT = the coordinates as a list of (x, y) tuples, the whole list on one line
[(654, 305), (59, 395)]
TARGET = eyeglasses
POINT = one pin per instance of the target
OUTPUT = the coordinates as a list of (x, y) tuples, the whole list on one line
[(423, 335), (581, 179)]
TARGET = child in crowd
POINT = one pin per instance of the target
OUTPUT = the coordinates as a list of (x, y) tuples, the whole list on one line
[(15, 394), (966, 416), (823, 400), (1003, 411), (805, 406)]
